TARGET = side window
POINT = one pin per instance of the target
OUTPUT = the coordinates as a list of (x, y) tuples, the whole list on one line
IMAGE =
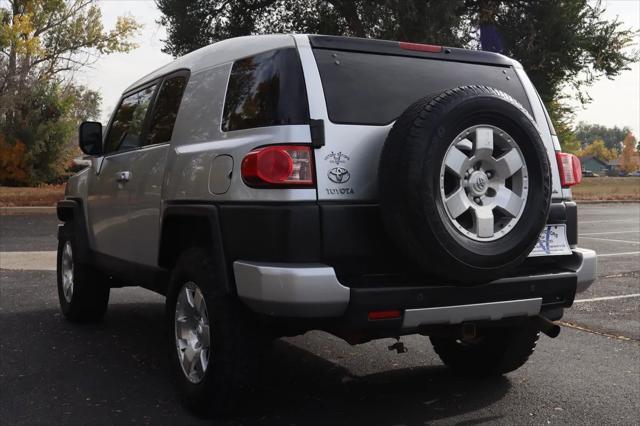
[(266, 90), (166, 110), (128, 121)]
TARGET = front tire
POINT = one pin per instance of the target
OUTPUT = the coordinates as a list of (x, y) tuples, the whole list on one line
[(215, 343), (495, 351), (83, 292)]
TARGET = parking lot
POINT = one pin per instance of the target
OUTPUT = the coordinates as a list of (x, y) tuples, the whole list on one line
[(116, 371)]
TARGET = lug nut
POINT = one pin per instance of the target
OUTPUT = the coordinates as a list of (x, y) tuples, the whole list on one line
[(477, 200)]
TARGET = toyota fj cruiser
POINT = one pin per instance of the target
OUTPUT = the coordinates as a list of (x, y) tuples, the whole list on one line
[(270, 185)]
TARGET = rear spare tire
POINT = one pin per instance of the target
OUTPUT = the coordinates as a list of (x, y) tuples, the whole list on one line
[(465, 184)]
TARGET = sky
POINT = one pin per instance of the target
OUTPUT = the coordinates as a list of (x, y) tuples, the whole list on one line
[(615, 102)]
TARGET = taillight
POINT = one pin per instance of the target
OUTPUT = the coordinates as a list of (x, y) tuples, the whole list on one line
[(381, 315), (570, 169), (432, 48), (278, 166)]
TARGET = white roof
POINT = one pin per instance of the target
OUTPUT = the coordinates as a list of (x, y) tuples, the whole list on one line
[(220, 53)]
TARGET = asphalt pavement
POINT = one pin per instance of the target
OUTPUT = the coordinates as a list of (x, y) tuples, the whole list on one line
[(114, 372)]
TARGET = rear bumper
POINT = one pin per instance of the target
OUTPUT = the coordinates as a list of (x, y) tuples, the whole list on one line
[(314, 291)]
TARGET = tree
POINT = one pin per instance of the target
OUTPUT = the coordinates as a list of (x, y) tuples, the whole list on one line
[(194, 24), (630, 158), (612, 136), (42, 42), (562, 45), (599, 150), (566, 44)]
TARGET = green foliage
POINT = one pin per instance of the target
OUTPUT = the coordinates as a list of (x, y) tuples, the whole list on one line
[(195, 24), (564, 45), (41, 43), (561, 44), (612, 136)]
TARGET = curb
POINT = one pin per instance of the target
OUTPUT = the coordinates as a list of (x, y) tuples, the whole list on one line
[(6, 211), (607, 201)]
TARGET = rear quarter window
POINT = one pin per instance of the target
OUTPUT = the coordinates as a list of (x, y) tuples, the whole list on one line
[(374, 89), (266, 90)]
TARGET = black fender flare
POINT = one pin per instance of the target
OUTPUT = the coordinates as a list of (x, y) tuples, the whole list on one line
[(70, 212), (171, 243)]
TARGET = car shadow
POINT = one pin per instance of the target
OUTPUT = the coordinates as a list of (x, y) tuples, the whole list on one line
[(117, 371)]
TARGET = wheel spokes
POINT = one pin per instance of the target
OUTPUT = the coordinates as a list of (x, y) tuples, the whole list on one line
[(508, 164), (508, 201), (198, 303), (205, 339), (192, 332), (490, 182), (484, 222), (457, 162), (484, 143), (457, 203)]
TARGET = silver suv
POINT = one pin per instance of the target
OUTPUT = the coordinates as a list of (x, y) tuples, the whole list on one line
[(270, 185)]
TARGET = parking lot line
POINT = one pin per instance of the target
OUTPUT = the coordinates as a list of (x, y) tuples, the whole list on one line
[(597, 299), (28, 260), (608, 221), (613, 241), (618, 254), (608, 233)]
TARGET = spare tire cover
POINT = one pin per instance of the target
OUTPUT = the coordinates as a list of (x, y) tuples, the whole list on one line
[(465, 184)]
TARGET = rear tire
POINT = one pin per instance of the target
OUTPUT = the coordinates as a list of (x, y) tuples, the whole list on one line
[(83, 291), (494, 352), (233, 341)]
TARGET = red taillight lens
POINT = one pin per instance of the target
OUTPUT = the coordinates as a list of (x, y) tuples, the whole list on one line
[(570, 169), (432, 48), (380, 315), (278, 166)]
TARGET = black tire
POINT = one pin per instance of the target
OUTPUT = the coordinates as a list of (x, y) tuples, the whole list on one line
[(494, 352), (236, 344), (90, 295), (410, 201)]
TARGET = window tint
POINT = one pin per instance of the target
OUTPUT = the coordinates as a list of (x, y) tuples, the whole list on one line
[(166, 110), (128, 122), (367, 88), (266, 90)]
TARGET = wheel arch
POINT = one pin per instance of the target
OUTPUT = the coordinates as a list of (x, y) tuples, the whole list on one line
[(70, 212), (188, 225)]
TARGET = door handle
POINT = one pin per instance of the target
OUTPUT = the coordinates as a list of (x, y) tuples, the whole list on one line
[(123, 177)]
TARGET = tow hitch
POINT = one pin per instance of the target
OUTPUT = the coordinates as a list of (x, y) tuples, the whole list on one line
[(548, 327), (398, 347)]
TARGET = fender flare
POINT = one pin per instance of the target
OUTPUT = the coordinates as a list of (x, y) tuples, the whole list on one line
[(71, 213), (210, 214)]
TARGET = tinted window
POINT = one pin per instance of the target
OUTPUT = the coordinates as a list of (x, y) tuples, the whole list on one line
[(166, 110), (367, 88), (128, 122), (266, 90)]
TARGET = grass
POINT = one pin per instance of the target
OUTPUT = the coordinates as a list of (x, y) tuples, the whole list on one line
[(39, 196), (607, 188), (597, 188)]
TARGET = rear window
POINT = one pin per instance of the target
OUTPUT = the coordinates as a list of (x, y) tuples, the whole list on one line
[(374, 89), (266, 90)]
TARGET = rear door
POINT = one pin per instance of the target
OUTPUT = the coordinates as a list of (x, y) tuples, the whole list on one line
[(360, 88), (148, 167), (109, 187)]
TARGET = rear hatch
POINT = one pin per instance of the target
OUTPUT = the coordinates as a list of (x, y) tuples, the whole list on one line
[(359, 87)]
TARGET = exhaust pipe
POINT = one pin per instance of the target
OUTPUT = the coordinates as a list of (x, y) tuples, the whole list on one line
[(548, 327)]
